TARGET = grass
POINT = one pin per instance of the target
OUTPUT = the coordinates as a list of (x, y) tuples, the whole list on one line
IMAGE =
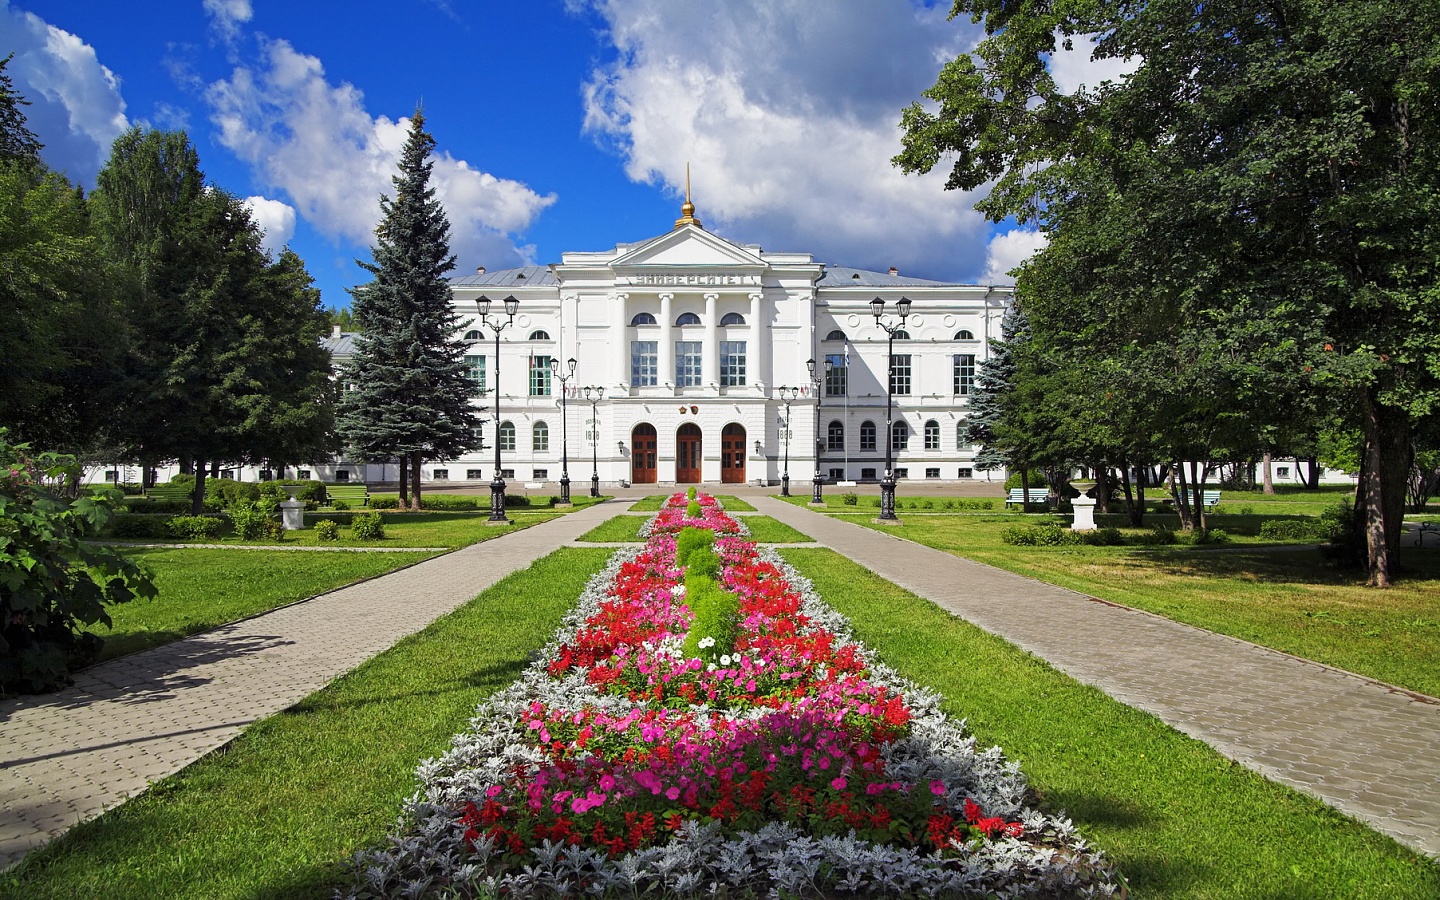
[(450, 529), (1285, 599), (203, 589), (734, 504), (619, 528), (275, 812), (765, 530), (1179, 820), (653, 503)]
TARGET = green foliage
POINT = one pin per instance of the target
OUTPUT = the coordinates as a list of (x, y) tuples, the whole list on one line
[(692, 509), (690, 492), (1158, 535), (1037, 480), (1103, 537), (692, 539), (195, 528), (230, 494), (52, 583), (138, 525), (1294, 530), (17, 142), (384, 502), (367, 527), (327, 530), (512, 501), (339, 505), (251, 522), (312, 491), (850, 498)]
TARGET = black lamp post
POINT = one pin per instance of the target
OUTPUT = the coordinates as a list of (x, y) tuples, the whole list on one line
[(594, 393), (497, 487), (787, 396), (817, 483), (558, 373), (887, 484)]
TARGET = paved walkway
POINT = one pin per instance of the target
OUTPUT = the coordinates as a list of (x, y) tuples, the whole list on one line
[(1369, 749), (129, 722)]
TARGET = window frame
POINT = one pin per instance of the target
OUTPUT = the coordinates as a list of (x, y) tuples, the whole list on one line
[(733, 364), (901, 374), (963, 372), (644, 363), (869, 436)]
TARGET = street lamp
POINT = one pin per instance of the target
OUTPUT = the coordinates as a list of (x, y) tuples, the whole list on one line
[(787, 396), (594, 398), (816, 483), (887, 484), (557, 372), (497, 487)]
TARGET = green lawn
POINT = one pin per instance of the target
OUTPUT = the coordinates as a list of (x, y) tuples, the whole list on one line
[(765, 530), (619, 528), (1179, 820), (449, 529), (203, 589), (274, 813), (652, 503), (734, 504)]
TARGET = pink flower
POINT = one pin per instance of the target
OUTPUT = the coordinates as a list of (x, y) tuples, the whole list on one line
[(839, 783), (937, 787), (673, 793), (607, 782), (494, 790)]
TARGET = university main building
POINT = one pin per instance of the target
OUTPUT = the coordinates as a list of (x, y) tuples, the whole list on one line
[(705, 350)]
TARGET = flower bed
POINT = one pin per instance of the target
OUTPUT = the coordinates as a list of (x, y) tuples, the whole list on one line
[(789, 763)]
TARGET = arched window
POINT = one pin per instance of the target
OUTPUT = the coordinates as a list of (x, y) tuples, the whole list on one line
[(867, 435), (902, 335), (899, 436), (836, 335), (472, 335), (732, 319), (964, 335), (835, 436), (642, 319), (687, 319), (507, 436), (932, 435), (540, 435), (539, 334)]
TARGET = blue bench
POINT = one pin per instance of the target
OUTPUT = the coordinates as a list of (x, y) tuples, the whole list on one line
[(1038, 496)]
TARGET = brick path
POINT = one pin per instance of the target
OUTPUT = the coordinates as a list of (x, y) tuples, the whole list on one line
[(1369, 749), (126, 723)]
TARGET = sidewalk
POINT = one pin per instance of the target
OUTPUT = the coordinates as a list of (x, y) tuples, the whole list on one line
[(1369, 749), (126, 723)]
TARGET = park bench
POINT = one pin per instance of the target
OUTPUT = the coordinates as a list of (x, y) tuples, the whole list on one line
[(1038, 496), (176, 493), (1209, 498), (353, 494), (1423, 529)]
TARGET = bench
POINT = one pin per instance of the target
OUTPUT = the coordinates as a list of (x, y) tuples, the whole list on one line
[(174, 493), (1038, 496), (353, 494), (1209, 498), (1423, 529)]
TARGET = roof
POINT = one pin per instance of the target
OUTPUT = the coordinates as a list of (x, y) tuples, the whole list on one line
[(524, 276), (843, 276), (342, 344)]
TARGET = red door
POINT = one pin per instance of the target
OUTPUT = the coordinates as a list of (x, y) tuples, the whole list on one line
[(687, 454), (732, 454), (642, 454)]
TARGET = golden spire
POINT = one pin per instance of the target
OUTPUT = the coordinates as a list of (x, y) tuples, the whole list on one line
[(687, 211)]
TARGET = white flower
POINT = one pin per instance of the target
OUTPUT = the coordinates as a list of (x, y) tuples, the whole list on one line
[(725, 660), (678, 590), (706, 643)]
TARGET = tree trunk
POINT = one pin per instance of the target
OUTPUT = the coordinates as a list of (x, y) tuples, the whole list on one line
[(1380, 501), (1102, 487), (197, 496), (1268, 474), (404, 482), (187, 467), (1177, 496), (1312, 472), (1198, 473), (1025, 489), (415, 480), (1134, 506)]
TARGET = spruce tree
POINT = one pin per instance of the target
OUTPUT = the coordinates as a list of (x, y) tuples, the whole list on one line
[(994, 379), (407, 392)]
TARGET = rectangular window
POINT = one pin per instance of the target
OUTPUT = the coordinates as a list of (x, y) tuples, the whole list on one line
[(837, 474), (475, 370), (967, 473), (508, 474), (342, 475), (900, 374), (441, 475), (932, 473), (302, 474), (539, 474), (474, 475), (732, 363), (687, 363), (837, 379), (867, 474), (1282, 472), (112, 475), (964, 374), (902, 473), (644, 363), (539, 376), (867, 436)]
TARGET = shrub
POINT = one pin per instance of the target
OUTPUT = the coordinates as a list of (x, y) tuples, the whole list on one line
[(1018, 535), (872, 501), (1040, 536), (850, 499), (249, 521), (195, 528), (1037, 479), (692, 509), (512, 500), (169, 507), (327, 530), (690, 540), (441, 501), (1103, 537), (970, 503), (1157, 536), (690, 493), (341, 505), (927, 503), (384, 502), (1213, 536), (367, 527), (135, 525), (230, 494)]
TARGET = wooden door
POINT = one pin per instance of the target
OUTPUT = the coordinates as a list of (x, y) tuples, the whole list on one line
[(687, 454), (732, 454), (643, 440)]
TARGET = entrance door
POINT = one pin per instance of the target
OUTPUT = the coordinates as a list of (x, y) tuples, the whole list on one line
[(642, 454), (687, 454), (732, 454)]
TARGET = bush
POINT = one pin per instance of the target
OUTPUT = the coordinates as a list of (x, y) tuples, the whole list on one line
[(850, 499), (367, 527), (169, 507), (692, 509), (314, 491), (340, 505), (1158, 535), (327, 530), (1103, 537), (229, 494), (135, 525), (1018, 535), (251, 522), (689, 541), (1040, 536), (384, 502), (511, 501), (1213, 536), (196, 528), (440, 501), (1037, 480), (970, 503), (690, 493)]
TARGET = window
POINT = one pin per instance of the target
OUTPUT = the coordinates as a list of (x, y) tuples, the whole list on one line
[(539, 474), (687, 363), (112, 475), (932, 473), (732, 319), (508, 474), (835, 436), (507, 436), (342, 475), (836, 335), (899, 436), (837, 379), (932, 438), (964, 334), (900, 374), (644, 363), (867, 474), (902, 473), (642, 319), (440, 475), (474, 475), (472, 335), (539, 376), (539, 335), (967, 473), (837, 474), (964, 374), (687, 319), (1282, 472), (475, 370), (902, 335), (302, 474), (540, 437), (867, 435), (732, 363)]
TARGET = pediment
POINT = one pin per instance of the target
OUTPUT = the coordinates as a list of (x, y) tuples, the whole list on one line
[(689, 247)]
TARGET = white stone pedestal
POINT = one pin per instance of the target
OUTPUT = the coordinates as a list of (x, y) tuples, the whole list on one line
[(1084, 513), (292, 514)]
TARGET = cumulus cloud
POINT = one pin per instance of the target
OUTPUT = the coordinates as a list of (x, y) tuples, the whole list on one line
[(1008, 250), (276, 218), (1076, 68), (788, 113), (76, 109), (317, 143), (226, 17)]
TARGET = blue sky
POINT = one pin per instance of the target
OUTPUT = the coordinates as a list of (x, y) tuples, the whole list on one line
[(561, 124)]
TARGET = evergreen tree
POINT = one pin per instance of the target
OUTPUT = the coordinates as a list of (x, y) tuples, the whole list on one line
[(992, 382), (17, 141), (408, 395)]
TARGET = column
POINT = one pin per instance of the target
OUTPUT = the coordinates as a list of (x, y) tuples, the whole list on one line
[(620, 334), (666, 358), (710, 366), (760, 349)]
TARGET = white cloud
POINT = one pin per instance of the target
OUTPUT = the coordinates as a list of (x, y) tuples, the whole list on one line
[(788, 113), (76, 109), (318, 144), (1007, 251), (276, 218), (1076, 67), (226, 17)]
